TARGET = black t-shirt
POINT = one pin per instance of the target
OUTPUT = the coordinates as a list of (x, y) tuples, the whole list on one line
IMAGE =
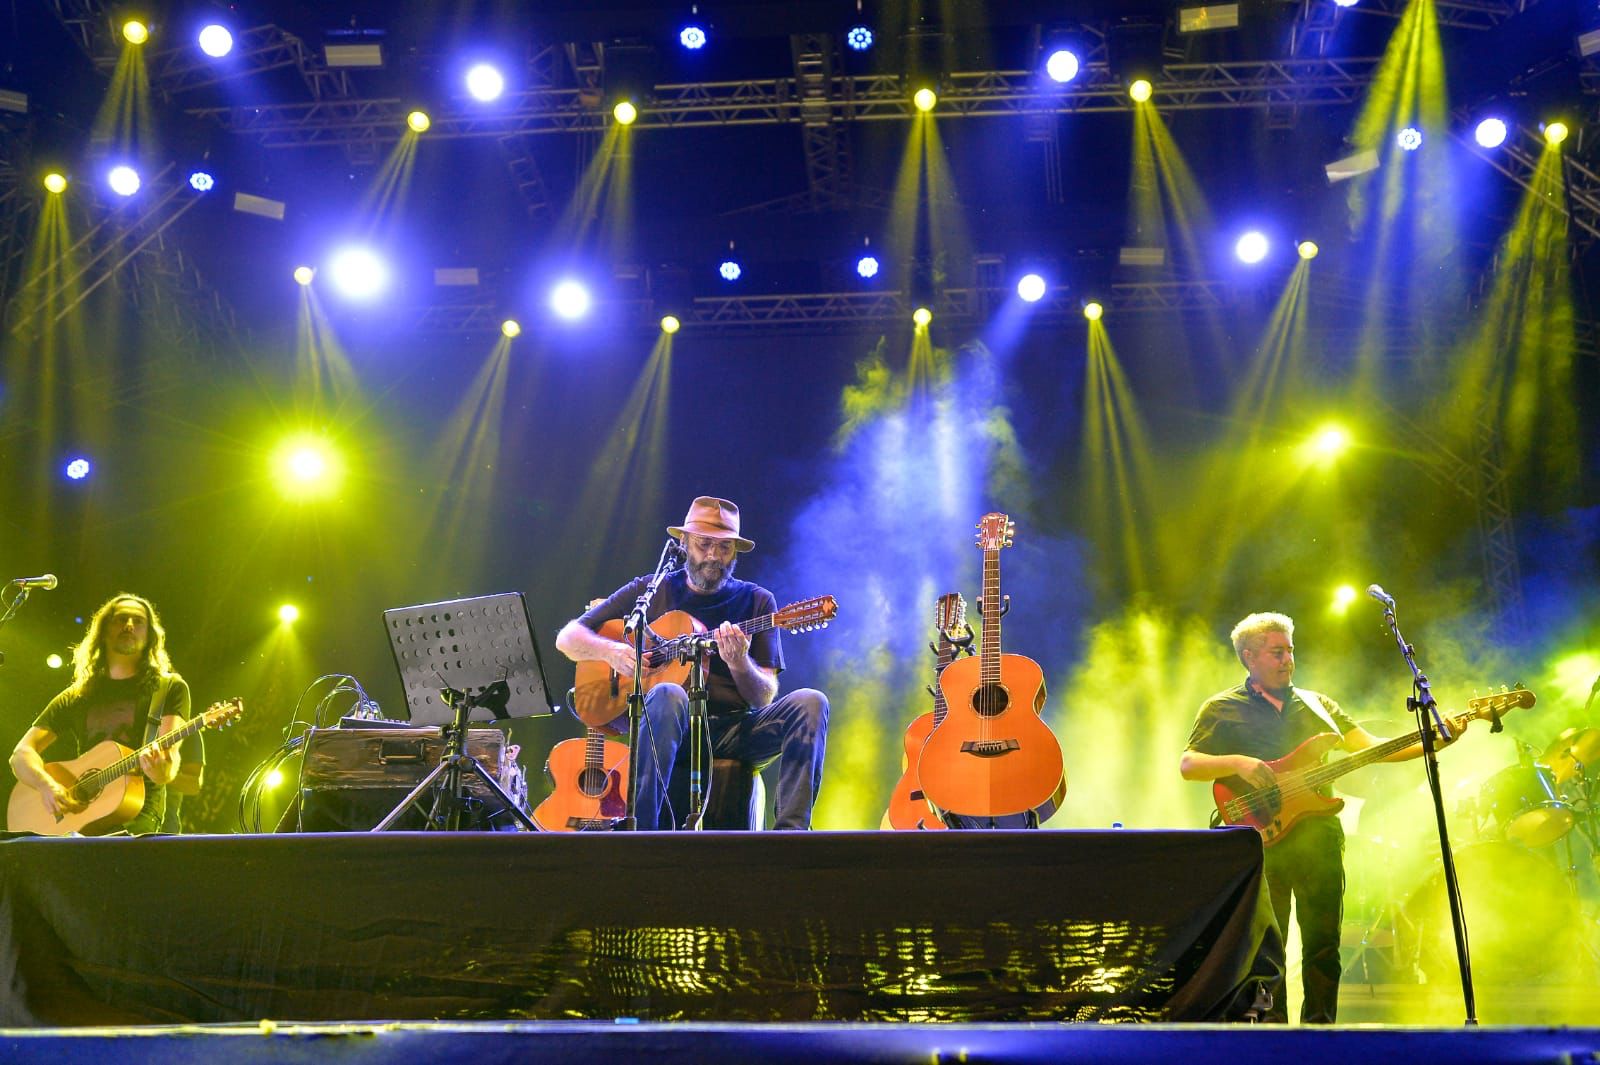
[(1243, 721), (735, 601), (113, 710)]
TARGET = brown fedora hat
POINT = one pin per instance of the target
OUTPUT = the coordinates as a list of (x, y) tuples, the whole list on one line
[(713, 517)]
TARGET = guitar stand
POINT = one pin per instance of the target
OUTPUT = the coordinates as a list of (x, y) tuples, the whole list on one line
[(448, 778)]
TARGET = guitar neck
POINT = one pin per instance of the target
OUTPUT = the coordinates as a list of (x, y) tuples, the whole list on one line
[(594, 748), (947, 652), (130, 763), (989, 655), (1335, 770)]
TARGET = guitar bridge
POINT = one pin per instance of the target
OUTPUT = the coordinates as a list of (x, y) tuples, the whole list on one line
[(989, 748), (591, 824)]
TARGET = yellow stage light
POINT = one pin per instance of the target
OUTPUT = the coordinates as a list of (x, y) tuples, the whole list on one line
[(625, 113), (306, 466), (1308, 249), (1093, 311), (922, 316), (135, 32), (1327, 444), (670, 324), (288, 613), (511, 328), (273, 779), (303, 275), (54, 661), (1343, 596), (925, 99), (1555, 132), (419, 121), (1140, 90), (54, 182)]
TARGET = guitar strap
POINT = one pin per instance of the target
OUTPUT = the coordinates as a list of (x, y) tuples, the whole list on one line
[(158, 700), (1315, 704)]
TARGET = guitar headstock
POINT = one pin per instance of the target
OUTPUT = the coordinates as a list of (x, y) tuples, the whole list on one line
[(1496, 703), (994, 532), (807, 614), (220, 715), (950, 615)]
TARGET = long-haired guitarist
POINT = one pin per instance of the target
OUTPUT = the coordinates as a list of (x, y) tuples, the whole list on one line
[(1236, 734), (121, 677), (747, 720)]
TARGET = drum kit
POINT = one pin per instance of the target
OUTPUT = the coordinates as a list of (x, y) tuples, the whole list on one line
[(1524, 835)]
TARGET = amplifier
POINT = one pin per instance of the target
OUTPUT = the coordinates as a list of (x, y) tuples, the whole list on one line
[(394, 758), (354, 776)]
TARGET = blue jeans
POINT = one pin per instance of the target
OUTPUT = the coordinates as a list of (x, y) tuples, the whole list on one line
[(793, 730)]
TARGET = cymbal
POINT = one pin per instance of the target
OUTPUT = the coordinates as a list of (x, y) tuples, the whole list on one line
[(1575, 751)]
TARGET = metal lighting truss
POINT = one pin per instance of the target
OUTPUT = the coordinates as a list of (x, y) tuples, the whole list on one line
[(777, 101), (1518, 159)]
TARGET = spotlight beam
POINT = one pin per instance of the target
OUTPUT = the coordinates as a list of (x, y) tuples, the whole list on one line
[(1518, 159)]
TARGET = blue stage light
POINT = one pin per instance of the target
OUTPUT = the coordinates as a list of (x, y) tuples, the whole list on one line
[(78, 469), (730, 270), (1409, 139), (692, 38), (867, 266), (859, 38), (1031, 288), (216, 41), (570, 300), (200, 181), (358, 273), (124, 180), (1062, 66), (1252, 247)]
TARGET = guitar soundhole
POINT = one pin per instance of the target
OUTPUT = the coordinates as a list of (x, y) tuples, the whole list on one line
[(990, 700), (592, 782)]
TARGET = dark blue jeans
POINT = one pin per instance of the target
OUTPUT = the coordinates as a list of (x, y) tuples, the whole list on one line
[(793, 730)]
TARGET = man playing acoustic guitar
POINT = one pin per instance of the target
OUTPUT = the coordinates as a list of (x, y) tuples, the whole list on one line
[(120, 673), (746, 719), (1235, 734)]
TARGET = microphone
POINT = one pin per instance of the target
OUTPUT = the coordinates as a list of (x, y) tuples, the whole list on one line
[(47, 582), (1381, 596)]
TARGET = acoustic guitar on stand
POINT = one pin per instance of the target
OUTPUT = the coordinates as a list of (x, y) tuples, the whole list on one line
[(590, 774), (992, 755), (1301, 787), (107, 778), (908, 807), (600, 693)]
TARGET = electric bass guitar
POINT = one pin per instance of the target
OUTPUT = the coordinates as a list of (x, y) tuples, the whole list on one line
[(993, 755), (1303, 778), (107, 778), (590, 774), (908, 807), (600, 693)]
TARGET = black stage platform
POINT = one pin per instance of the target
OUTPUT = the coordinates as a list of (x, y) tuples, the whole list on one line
[(706, 927)]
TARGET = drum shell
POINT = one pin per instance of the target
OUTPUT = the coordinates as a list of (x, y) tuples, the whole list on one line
[(1524, 802)]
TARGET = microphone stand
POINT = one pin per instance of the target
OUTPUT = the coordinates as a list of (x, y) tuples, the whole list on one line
[(1426, 711), (11, 609), (694, 651), (638, 625)]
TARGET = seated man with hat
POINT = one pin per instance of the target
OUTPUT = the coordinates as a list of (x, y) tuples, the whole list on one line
[(745, 717)]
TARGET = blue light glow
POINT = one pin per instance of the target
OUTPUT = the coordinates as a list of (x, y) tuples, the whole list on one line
[(1410, 138), (358, 273), (1062, 66), (859, 38), (1031, 288), (730, 270), (570, 300), (78, 469), (692, 38), (867, 266), (1491, 133), (200, 181)]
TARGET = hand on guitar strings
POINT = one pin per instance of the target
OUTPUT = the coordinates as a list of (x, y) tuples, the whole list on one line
[(1254, 770), (58, 801), (619, 656), (157, 765), (733, 643)]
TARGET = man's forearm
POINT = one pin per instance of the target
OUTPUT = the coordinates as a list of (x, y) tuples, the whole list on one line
[(28, 768), (582, 644), (756, 686)]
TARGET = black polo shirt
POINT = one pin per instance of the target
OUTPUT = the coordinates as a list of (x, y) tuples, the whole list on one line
[(1243, 721)]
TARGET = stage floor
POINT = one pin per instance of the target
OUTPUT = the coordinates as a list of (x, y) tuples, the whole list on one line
[(804, 1044)]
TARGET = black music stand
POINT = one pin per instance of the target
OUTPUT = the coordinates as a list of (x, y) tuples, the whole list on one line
[(464, 660)]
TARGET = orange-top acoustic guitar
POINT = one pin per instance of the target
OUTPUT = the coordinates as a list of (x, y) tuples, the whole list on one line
[(590, 774), (908, 807), (600, 694), (107, 776), (993, 755)]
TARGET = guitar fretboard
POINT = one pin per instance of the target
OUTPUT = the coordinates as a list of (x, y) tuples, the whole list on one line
[(91, 783), (989, 656)]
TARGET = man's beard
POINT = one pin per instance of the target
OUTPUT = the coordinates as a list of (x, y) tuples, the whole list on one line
[(711, 574)]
